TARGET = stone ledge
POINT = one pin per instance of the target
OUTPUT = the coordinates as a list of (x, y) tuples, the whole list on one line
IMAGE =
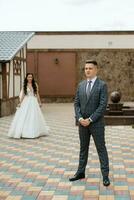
[(119, 120)]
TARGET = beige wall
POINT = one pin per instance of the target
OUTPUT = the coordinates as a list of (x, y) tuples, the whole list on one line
[(17, 85), (81, 41)]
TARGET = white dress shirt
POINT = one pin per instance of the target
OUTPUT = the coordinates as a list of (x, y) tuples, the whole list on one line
[(92, 81)]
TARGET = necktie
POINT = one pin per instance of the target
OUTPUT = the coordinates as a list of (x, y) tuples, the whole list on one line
[(88, 88)]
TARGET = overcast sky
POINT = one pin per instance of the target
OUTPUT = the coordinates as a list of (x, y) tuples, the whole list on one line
[(66, 15)]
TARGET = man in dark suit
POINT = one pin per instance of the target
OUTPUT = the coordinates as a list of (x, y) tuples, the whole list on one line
[(90, 105)]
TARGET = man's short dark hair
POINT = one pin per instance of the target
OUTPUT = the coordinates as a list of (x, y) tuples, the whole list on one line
[(91, 62)]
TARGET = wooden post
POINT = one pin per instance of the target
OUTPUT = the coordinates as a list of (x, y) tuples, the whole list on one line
[(36, 66), (0, 107), (4, 81)]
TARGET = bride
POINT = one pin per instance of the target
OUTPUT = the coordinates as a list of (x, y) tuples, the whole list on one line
[(28, 121)]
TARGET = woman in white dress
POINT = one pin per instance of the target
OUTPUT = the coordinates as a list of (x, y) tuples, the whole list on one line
[(28, 121)]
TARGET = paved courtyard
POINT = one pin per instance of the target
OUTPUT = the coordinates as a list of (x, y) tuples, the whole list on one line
[(39, 169)]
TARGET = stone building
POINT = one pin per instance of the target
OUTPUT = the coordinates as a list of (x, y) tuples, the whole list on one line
[(13, 47), (57, 60)]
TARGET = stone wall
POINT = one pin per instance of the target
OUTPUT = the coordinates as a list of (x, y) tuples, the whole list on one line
[(116, 68)]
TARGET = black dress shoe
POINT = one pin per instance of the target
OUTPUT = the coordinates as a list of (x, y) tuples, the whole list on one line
[(77, 177), (106, 181)]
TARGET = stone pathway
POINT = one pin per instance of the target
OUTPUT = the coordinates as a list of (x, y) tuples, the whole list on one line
[(39, 169)]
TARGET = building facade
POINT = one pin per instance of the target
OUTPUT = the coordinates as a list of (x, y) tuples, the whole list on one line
[(13, 49), (57, 60)]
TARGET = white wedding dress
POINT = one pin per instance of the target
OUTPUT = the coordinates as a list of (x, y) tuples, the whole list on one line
[(28, 121)]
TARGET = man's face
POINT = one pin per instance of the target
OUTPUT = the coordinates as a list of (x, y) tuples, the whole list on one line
[(90, 70)]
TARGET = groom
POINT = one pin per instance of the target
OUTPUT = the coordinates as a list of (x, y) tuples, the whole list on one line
[(90, 105)]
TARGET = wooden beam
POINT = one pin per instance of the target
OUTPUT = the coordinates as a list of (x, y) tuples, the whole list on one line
[(19, 58), (0, 107), (4, 81), (36, 66), (9, 79), (13, 81)]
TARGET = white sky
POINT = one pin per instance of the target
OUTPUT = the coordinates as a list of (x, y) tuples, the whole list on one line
[(66, 15)]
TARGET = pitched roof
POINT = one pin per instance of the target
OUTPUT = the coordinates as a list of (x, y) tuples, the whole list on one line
[(11, 42)]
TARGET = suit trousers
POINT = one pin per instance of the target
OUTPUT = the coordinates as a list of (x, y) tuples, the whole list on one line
[(98, 134)]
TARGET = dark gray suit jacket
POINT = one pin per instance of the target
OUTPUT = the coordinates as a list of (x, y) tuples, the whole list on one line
[(93, 107)]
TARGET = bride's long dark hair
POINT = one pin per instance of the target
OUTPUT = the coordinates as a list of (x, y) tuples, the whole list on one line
[(34, 85)]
